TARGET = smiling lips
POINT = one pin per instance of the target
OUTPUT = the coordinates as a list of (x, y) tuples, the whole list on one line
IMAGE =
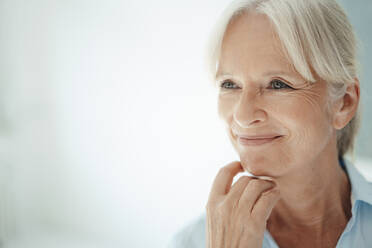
[(256, 140)]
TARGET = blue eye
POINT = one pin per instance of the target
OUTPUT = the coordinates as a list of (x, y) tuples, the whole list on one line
[(277, 84), (227, 84)]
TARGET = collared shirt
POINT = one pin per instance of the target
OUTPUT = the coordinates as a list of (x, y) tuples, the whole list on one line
[(357, 233)]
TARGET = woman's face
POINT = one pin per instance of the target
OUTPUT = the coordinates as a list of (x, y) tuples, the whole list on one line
[(262, 96)]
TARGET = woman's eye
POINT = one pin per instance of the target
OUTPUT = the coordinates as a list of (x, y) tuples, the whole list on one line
[(277, 85), (227, 85)]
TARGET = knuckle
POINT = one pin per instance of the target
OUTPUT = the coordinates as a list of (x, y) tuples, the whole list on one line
[(242, 182), (224, 207), (244, 179), (254, 184), (211, 209), (210, 204), (258, 184)]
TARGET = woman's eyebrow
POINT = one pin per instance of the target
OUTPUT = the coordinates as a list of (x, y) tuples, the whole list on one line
[(293, 79), (221, 75), (291, 75)]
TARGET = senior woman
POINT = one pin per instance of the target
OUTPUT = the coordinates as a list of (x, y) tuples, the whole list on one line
[(289, 95)]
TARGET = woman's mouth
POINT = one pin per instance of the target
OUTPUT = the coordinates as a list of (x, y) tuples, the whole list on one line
[(256, 141)]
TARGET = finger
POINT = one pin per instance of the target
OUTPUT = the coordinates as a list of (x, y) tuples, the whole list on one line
[(265, 204), (222, 182), (237, 189), (252, 192)]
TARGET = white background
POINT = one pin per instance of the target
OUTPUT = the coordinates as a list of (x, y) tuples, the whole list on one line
[(108, 123)]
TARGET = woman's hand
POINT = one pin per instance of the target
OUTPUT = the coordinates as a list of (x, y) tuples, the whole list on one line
[(237, 215)]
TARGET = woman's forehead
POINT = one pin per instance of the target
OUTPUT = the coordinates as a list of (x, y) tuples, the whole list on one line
[(251, 29), (250, 43)]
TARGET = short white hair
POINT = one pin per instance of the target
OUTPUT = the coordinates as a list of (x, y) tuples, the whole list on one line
[(316, 35)]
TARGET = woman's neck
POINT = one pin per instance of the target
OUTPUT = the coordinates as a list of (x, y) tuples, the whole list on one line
[(314, 199), (314, 208)]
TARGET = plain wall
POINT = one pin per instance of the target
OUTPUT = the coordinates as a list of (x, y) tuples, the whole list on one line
[(109, 130)]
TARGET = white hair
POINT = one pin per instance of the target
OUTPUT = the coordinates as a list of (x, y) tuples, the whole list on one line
[(316, 35)]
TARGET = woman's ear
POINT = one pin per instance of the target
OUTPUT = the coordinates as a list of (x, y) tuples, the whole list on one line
[(347, 105)]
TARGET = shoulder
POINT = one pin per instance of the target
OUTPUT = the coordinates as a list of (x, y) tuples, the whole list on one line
[(191, 235)]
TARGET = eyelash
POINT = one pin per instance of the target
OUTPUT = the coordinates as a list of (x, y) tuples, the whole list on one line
[(285, 86)]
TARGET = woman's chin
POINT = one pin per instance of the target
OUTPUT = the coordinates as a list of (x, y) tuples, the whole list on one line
[(258, 166)]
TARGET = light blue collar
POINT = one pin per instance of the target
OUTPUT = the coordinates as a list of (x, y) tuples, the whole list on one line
[(360, 187)]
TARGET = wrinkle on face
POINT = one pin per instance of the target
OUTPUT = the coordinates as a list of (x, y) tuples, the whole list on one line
[(311, 96)]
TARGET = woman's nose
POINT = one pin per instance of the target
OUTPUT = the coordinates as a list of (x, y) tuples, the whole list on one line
[(248, 112)]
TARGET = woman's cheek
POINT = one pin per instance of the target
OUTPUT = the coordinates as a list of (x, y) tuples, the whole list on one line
[(299, 105), (305, 119), (226, 106)]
